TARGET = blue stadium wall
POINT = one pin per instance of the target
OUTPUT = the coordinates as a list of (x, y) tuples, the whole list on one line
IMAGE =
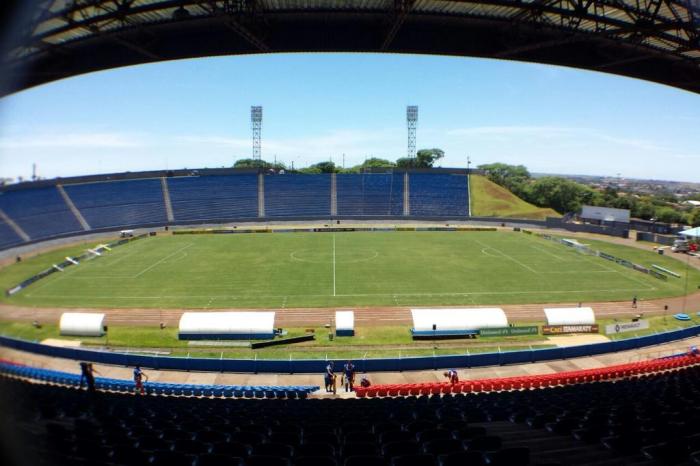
[(33, 212)]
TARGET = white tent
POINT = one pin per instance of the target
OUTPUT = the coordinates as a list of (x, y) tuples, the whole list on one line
[(82, 324), (344, 323), (456, 321), (227, 325), (692, 233), (570, 316)]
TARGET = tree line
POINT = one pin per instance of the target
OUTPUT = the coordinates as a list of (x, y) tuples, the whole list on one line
[(565, 195), (425, 158)]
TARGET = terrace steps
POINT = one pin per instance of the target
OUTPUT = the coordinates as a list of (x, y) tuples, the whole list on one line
[(78, 216)]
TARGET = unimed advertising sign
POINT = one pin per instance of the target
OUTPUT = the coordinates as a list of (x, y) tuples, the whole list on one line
[(559, 329), (508, 331), (626, 327)]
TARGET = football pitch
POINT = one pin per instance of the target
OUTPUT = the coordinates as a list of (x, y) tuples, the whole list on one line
[(283, 270)]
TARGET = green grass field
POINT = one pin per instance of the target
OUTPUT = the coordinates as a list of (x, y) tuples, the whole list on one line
[(341, 269), (492, 200)]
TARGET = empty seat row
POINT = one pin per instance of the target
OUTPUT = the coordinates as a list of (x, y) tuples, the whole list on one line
[(531, 382), (157, 388)]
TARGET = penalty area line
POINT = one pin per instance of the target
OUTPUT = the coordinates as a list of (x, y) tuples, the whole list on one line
[(162, 260)]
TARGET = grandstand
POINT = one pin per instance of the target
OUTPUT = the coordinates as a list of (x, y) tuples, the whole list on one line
[(372, 194), (201, 199), (48, 210), (40, 212), (633, 417), (118, 204), (641, 413)]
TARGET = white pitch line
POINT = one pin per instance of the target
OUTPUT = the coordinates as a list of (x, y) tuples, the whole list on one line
[(537, 248), (486, 246), (333, 264), (474, 293), (162, 260)]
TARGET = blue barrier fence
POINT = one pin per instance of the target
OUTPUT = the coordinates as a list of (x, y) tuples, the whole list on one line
[(365, 365)]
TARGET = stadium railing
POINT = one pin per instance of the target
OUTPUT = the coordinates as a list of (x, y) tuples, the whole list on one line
[(364, 365)]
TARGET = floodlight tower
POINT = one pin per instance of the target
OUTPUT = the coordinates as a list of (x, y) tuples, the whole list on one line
[(256, 124), (412, 122)]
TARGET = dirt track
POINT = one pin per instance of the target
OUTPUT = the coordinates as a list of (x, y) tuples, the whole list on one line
[(377, 316)]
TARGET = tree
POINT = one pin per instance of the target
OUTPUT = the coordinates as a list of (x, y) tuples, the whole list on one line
[(321, 167), (668, 215), (515, 178), (560, 194), (694, 218), (406, 162), (425, 158), (252, 163), (644, 210), (374, 162)]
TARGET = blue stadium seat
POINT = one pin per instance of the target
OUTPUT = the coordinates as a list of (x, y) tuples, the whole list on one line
[(372, 194), (298, 195), (40, 212), (120, 203), (209, 198), (438, 195)]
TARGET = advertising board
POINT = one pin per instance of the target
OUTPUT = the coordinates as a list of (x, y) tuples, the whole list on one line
[(605, 214), (562, 329), (626, 327), (508, 331)]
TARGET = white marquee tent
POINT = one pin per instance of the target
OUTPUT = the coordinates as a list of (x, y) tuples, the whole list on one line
[(456, 321), (227, 325), (344, 323), (570, 316), (82, 324), (692, 233)]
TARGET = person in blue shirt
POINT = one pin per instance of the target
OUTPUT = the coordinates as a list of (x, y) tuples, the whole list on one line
[(87, 375), (139, 379), (349, 373), (451, 376), (330, 378)]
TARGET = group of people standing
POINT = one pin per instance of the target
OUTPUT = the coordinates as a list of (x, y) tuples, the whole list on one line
[(87, 376), (347, 378)]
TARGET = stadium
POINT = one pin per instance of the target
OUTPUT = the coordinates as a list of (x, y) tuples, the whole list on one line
[(482, 329)]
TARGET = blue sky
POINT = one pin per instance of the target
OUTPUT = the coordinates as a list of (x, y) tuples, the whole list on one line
[(195, 113)]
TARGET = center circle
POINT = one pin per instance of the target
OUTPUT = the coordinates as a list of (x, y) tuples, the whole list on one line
[(316, 256)]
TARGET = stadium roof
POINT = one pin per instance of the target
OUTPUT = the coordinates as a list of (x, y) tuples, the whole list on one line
[(655, 40)]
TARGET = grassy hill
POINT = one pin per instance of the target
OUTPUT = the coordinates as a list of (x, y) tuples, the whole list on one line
[(492, 200)]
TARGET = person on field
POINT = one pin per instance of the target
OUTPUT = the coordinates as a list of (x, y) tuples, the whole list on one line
[(349, 373), (452, 376), (139, 376), (634, 301)]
